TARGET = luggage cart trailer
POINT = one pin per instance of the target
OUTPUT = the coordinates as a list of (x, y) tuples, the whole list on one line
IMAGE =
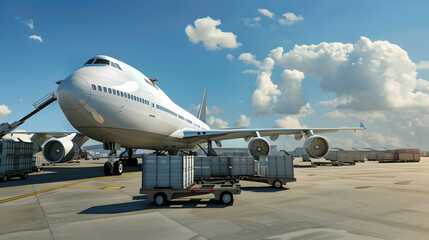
[(275, 182), (222, 192)]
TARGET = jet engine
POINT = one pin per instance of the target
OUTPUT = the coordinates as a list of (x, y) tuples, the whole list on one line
[(316, 146), (258, 146), (60, 150)]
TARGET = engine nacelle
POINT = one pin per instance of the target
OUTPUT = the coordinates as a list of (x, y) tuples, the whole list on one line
[(316, 146), (60, 150), (259, 146)]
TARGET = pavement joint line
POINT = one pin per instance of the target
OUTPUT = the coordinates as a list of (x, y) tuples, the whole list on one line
[(55, 188)]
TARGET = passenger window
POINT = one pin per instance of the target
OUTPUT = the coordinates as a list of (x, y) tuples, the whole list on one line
[(110, 91), (128, 96), (135, 98), (105, 89), (114, 92), (102, 61), (122, 94), (99, 88), (94, 87), (89, 61)]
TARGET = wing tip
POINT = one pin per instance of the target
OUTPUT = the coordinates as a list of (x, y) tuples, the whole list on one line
[(362, 125)]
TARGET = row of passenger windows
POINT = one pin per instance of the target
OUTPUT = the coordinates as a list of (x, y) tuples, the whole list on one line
[(139, 99), (102, 62), (120, 94), (175, 114)]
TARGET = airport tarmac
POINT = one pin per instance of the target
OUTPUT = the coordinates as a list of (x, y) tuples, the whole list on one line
[(366, 201)]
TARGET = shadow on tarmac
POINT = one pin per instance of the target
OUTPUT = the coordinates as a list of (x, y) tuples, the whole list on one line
[(263, 189), (142, 205), (63, 172)]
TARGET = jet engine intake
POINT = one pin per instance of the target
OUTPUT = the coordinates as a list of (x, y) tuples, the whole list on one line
[(60, 150), (316, 146), (258, 146)]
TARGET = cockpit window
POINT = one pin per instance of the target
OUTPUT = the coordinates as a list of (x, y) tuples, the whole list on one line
[(102, 61), (89, 61), (113, 64), (117, 65)]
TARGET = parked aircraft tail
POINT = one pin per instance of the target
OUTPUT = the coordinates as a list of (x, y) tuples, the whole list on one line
[(203, 109)]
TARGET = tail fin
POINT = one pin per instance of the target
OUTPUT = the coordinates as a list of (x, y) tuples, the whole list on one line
[(203, 109)]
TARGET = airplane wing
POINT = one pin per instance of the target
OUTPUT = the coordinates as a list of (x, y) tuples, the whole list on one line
[(225, 134), (42, 137)]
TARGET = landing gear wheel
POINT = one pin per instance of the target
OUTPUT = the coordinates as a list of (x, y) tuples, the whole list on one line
[(226, 198), (24, 176), (107, 169), (160, 199), (118, 167), (4, 179), (277, 184)]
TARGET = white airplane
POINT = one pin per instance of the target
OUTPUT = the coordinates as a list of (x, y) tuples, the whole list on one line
[(112, 102)]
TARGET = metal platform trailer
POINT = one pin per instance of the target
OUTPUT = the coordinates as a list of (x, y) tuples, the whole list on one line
[(168, 177), (16, 159), (274, 170)]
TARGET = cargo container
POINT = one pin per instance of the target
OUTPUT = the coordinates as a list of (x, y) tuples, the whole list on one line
[(168, 177), (274, 170), (242, 166), (16, 159), (176, 172)]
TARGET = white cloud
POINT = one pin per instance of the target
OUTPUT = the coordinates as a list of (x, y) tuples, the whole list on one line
[(266, 12), (423, 65), (292, 98), (30, 24), (290, 18), (370, 75), (206, 30), (252, 22), (217, 122), (209, 110), (4, 111), (230, 57), (37, 38), (217, 110), (343, 100), (362, 116), (242, 122), (288, 122)]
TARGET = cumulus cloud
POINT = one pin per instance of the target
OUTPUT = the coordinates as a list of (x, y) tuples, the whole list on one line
[(252, 22), (37, 38), (292, 98), (423, 65), (209, 110), (4, 111), (217, 122), (266, 12), (30, 23), (370, 75), (230, 57), (362, 116), (206, 31), (343, 100), (242, 122), (293, 121), (290, 18)]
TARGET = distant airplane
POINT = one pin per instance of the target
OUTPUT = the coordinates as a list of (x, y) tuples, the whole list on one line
[(112, 102)]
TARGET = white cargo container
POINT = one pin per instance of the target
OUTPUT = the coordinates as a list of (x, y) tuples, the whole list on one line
[(202, 167), (275, 170), (176, 172)]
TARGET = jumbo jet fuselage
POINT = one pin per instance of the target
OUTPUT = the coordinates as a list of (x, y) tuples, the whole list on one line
[(112, 102)]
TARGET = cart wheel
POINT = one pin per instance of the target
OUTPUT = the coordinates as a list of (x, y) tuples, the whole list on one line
[(160, 199), (24, 176), (277, 184), (4, 179), (226, 198)]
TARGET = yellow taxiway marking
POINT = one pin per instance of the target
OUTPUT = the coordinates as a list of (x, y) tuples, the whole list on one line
[(55, 188)]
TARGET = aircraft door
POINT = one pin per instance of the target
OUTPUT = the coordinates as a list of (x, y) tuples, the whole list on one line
[(151, 105)]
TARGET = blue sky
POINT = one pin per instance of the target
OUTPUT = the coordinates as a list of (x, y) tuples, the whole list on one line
[(150, 36)]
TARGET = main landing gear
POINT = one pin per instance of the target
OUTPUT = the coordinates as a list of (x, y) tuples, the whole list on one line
[(116, 167)]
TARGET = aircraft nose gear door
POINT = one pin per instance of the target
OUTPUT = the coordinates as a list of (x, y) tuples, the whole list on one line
[(152, 105)]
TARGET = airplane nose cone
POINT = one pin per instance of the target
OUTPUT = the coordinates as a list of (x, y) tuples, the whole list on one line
[(73, 93)]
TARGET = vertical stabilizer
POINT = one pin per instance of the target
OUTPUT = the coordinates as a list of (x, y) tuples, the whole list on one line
[(202, 111)]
